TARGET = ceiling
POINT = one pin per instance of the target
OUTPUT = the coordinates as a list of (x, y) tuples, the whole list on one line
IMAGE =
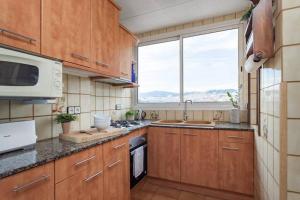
[(145, 15)]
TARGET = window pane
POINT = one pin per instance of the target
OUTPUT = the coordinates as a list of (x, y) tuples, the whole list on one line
[(210, 66), (158, 73)]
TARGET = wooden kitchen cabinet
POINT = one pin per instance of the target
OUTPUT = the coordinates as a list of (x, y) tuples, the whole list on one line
[(236, 165), (116, 170), (66, 30), (126, 53), (34, 184), (20, 24), (164, 153), (80, 176), (199, 157), (105, 37)]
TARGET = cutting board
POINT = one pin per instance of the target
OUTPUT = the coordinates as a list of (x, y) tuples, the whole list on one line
[(93, 134)]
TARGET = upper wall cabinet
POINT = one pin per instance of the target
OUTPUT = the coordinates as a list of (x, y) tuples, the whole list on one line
[(20, 24), (126, 53), (66, 30), (105, 37)]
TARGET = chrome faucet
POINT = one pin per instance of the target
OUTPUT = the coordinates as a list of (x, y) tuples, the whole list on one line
[(185, 115)]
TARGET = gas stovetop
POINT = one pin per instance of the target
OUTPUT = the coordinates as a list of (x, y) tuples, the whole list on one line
[(124, 124)]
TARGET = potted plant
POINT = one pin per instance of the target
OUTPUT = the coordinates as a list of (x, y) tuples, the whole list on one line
[(65, 120), (235, 112), (130, 115)]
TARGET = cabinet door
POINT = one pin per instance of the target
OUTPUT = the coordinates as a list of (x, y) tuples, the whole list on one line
[(116, 174), (126, 53), (199, 157), (28, 184), (66, 30), (105, 37), (164, 153), (236, 167), (20, 24)]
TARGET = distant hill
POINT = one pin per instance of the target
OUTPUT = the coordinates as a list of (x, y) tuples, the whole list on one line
[(172, 94)]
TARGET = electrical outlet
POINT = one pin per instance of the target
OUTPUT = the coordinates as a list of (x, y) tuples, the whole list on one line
[(118, 106), (71, 110), (77, 110)]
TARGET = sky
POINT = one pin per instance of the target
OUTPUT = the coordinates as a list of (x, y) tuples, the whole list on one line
[(210, 62)]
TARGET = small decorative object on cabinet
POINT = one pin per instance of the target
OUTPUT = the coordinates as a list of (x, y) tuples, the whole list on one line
[(235, 112), (65, 119)]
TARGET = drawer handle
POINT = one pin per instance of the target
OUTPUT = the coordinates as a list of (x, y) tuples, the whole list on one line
[(119, 146), (93, 176), (235, 137), (188, 134), (31, 184), (84, 161), (77, 56), (114, 164), (102, 64), (125, 74), (17, 36), (231, 149), (171, 133)]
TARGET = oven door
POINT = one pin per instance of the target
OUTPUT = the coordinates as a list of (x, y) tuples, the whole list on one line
[(24, 75), (134, 180)]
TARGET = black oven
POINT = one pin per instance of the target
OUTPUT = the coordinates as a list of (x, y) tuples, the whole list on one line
[(138, 144)]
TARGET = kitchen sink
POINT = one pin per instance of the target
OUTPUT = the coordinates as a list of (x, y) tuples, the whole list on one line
[(186, 123)]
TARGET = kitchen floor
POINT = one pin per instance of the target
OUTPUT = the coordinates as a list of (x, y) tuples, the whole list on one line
[(149, 191)]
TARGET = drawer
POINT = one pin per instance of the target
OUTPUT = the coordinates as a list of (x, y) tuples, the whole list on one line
[(90, 160), (115, 150), (28, 184), (236, 136)]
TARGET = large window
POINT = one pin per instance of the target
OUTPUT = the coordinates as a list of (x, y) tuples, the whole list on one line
[(158, 73), (203, 72)]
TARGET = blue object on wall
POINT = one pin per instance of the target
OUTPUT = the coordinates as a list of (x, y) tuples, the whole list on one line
[(133, 77)]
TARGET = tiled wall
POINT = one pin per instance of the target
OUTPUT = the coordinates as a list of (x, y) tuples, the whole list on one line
[(91, 96), (278, 150), (203, 114)]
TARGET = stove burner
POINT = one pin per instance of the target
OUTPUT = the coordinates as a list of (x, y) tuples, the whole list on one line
[(124, 123)]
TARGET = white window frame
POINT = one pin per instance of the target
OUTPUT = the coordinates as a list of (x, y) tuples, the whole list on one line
[(165, 37)]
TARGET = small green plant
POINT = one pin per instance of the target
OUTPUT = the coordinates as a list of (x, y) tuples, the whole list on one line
[(234, 100), (129, 113), (64, 118), (248, 13)]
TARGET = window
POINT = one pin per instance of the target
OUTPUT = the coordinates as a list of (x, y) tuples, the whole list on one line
[(210, 64), (200, 67), (158, 73)]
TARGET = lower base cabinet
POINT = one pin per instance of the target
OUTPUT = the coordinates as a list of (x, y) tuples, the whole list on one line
[(34, 184)]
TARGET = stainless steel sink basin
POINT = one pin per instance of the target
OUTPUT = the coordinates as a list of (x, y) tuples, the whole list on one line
[(170, 121)]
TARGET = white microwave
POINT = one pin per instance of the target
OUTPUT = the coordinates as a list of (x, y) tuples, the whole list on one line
[(27, 76)]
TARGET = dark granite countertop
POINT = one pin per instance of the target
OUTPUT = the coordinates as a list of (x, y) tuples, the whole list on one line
[(52, 149), (49, 150), (218, 126)]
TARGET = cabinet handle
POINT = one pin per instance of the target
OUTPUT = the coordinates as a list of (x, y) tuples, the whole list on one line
[(93, 176), (119, 146), (77, 56), (84, 161), (235, 137), (17, 36), (114, 164), (31, 184), (125, 74), (231, 149), (170, 133), (188, 134), (102, 64)]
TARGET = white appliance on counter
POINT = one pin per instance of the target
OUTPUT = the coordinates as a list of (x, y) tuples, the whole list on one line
[(17, 135), (25, 76)]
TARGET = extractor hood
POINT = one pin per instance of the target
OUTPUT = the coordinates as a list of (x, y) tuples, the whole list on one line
[(112, 80)]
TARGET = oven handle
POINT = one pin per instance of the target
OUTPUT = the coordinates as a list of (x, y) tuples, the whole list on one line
[(133, 152)]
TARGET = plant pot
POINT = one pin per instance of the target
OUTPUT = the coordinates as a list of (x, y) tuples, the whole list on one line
[(235, 116), (66, 127), (130, 117)]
